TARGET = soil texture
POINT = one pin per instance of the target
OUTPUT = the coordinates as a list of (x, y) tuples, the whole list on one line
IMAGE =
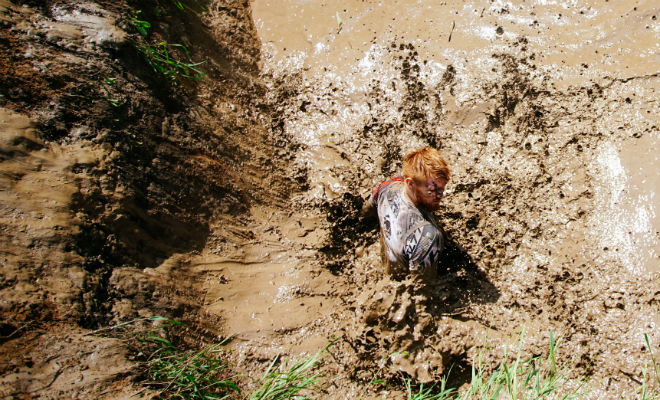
[(232, 203)]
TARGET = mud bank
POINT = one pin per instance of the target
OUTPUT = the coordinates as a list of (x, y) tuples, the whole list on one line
[(231, 203), (112, 174)]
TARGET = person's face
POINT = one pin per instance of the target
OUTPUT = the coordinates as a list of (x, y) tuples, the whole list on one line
[(429, 193)]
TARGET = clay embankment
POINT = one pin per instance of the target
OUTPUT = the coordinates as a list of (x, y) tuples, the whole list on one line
[(110, 172)]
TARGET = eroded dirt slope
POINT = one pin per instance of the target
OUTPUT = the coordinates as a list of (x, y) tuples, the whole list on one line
[(110, 169)]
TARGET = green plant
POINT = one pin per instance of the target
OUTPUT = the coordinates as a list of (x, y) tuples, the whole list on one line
[(186, 5), (533, 378), (105, 87), (429, 393), (140, 25), (289, 382), (186, 374), (162, 60), (652, 392)]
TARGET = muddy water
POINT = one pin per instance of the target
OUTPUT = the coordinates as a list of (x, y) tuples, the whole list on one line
[(616, 39), (548, 113)]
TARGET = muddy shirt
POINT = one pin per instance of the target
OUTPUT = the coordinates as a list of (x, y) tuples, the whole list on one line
[(411, 236)]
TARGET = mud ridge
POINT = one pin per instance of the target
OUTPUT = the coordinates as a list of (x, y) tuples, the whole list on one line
[(112, 173)]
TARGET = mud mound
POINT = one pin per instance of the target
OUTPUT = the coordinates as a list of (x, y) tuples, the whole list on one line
[(111, 169), (400, 322)]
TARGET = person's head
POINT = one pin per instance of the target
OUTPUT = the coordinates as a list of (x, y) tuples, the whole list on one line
[(426, 174)]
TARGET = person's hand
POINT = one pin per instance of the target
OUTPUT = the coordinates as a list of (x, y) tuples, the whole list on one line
[(368, 214)]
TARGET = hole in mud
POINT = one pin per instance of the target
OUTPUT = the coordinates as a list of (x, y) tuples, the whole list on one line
[(347, 230), (460, 371), (7, 331)]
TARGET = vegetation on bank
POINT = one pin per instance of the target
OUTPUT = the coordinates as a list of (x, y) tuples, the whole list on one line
[(162, 56), (177, 373)]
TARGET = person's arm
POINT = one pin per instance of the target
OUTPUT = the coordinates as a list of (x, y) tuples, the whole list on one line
[(423, 248), (369, 210)]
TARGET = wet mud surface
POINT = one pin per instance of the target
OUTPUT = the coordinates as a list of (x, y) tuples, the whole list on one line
[(552, 222), (233, 203)]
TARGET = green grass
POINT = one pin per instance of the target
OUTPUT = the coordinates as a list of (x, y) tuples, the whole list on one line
[(534, 378), (429, 392), (169, 59), (290, 382), (185, 374), (650, 388), (164, 61), (140, 25), (203, 374)]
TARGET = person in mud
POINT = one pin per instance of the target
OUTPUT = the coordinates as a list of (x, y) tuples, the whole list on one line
[(411, 239)]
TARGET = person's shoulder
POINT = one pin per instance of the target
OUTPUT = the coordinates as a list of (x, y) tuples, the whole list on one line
[(430, 230), (423, 225), (389, 189)]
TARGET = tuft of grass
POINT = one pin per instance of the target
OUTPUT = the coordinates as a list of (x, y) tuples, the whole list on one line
[(429, 393), (290, 382), (185, 6), (164, 61), (189, 374), (650, 391), (533, 378), (140, 25)]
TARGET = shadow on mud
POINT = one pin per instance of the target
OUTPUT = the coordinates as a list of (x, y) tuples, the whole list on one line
[(348, 231), (460, 283)]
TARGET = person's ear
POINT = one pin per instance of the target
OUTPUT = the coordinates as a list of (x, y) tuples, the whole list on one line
[(409, 181)]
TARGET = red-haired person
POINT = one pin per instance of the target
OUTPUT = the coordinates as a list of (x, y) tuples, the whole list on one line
[(411, 239)]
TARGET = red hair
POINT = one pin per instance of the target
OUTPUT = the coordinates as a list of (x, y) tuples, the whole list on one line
[(426, 163)]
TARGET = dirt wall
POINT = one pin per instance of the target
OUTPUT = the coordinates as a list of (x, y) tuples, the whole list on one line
[(109, 168)]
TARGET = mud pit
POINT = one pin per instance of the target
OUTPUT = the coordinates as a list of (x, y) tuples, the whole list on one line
[(233, 205)]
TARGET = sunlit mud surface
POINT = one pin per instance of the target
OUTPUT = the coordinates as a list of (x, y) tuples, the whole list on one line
[(548, 114), (232, 203)]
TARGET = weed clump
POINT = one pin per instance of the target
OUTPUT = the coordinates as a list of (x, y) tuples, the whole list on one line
[(203, 374), (533, 378), (169, 59), (184, 374), (650, 388), (163, 60), (289, 382)]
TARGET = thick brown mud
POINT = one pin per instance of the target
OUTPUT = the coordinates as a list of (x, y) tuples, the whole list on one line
[(548, 114), (232, 203)]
